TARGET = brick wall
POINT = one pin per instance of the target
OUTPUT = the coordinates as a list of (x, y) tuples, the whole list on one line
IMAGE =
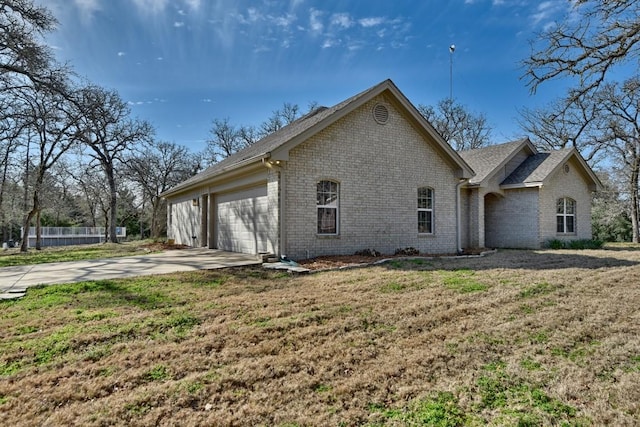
[(512, 221), (379, 169), (561, 184)]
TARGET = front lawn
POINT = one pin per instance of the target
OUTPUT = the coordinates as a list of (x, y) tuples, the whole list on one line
[(14, 257), (515, 338)]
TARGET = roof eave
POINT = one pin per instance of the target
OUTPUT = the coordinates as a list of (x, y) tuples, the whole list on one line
[(526, 142), (221, 174), (532, 184)]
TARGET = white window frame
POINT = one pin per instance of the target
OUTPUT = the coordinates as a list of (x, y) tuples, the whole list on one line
[(562, 212), (322, 197), (426, 208)]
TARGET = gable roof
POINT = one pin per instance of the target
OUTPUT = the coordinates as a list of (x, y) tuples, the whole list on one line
[(276, 146), (532, 172), (536, 169), (486, 161)]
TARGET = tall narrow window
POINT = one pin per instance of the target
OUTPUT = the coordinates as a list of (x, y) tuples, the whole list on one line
[(327, 205), (425, 210), (566, 216)]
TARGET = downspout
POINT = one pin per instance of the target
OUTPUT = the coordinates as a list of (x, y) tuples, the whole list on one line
[(459, 215)]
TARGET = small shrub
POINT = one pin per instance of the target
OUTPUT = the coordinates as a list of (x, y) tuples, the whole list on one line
[(574, 244), (555, 244), (407, 251), (368, 252)]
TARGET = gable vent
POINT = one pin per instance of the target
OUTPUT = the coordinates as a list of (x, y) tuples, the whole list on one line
[(380, 114)]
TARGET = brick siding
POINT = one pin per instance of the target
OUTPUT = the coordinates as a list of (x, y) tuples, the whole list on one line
[(379, 169)]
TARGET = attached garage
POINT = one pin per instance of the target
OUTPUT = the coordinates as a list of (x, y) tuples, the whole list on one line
[(242, 221)]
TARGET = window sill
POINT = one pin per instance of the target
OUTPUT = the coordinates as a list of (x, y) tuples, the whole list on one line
[(327, 236), (426, 235)]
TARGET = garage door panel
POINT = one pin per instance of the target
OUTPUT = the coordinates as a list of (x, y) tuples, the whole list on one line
[(242, 220)]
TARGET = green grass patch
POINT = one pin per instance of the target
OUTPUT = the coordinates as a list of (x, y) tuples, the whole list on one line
[(393, 287), (438, 410), (530, 365), (519, 401), (537, 290), (322, 388), (462, 281), (72, 253), (157, 373)]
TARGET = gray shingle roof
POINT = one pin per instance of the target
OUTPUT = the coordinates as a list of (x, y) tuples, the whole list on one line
[(269, 143), (305, 126), (486, 160), (537, 167)]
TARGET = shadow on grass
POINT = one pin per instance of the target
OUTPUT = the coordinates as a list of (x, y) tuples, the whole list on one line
[(103, 294), (516, 259)]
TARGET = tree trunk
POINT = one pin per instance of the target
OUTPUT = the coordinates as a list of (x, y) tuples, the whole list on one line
[(38, 231), (25, 233), (633, 188), (155, 223), (113, 202)]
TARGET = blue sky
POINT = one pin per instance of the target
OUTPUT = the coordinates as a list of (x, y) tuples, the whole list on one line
[(182, 63)]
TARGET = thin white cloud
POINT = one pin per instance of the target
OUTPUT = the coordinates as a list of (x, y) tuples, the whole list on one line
[(261, 49), (87, 8), (283, 21), (193, 4), (151, 6), (315, 23), (253, 15), (498, 2), (328, 43), (371, 22), (178, 24), (341, 20), (121, 54), (546, 11)]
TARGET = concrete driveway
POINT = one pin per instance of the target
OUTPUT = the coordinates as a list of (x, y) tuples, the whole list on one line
[(14, 281)]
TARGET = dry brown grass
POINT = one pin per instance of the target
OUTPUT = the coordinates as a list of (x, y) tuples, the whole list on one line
[(516, 338)]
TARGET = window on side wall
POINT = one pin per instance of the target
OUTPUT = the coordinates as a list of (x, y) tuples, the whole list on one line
[(566, 216), (425, 210), (328, 207)]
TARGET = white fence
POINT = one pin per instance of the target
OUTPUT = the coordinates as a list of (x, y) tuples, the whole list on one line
[(65, 236)]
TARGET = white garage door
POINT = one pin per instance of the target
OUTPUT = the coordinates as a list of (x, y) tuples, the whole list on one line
[(241, 220)]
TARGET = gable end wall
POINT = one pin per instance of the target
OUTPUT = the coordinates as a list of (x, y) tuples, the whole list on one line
[(571, 185), (379, 168)]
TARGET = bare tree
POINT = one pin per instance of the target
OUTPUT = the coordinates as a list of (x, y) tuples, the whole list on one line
[(225, 140), (462, 129), (248, 135), (620, 124), (587, 45), (279, 118), (12, 128), (155, 169), (51, 119), (25, 60), (566, 122), (109, 133)]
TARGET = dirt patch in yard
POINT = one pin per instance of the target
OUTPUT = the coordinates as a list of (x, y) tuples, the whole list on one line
[(341, 261), (163, 246)]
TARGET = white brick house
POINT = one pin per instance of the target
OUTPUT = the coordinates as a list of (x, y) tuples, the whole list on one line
[(369, 172)]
